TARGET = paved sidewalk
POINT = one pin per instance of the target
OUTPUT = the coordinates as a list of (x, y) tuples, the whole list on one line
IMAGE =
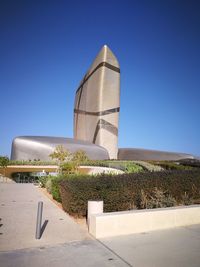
[(177, 247), (88, 253), (63, 243), (18, 212)]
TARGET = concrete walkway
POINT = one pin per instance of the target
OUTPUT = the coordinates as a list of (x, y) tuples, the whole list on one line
[(63, 243), (178, 247), (18, 211), (88, 253)]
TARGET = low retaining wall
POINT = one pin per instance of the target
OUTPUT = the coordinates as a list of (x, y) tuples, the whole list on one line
[(138, 221), (98, 170)]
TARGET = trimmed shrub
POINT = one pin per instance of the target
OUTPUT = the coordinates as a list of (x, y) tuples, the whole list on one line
[(124, 191), (43, 180), (48, 185), (80, 156), (51, 184), (69, 167), (133, 167), (55, 188), (127, 166), (148, 166), (186, 199), (156, 199), (190, 162), (169, 165)]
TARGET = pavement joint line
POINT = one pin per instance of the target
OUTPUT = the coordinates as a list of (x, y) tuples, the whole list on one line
[(45, 246), (189, 229), (113, 252)]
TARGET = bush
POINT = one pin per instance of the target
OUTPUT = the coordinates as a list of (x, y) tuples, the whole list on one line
[(124, 191), (186, 199), (132, 167), (156, 199), (69, 167), (127, 166), (148, 166), (190, 162), (80, 156), (55, 189), (48, 185), (51, 184), (43, 180), (169, 165)]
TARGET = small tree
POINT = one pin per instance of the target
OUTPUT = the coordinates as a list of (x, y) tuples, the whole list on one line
[(4, 163), (69, 167), (61, 154), (80, 156)]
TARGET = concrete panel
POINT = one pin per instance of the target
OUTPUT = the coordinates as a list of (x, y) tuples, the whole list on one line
[(98, 170), (138, 221)]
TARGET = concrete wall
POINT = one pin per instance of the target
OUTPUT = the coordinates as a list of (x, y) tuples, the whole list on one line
[(27, 168), (98, 170), (131, 222), (31, 168)]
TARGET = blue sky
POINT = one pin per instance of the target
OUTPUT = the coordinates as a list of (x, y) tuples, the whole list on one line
[(47, 46)]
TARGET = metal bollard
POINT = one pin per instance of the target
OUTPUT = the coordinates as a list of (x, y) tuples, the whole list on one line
[(39, 220)]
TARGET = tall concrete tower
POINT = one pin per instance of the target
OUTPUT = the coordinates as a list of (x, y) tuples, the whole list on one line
[(96, 111)]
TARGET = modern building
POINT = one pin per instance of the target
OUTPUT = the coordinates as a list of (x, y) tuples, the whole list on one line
[(96, 118), (96, 113)]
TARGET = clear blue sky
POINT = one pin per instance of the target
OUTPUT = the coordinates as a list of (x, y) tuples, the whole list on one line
[(47, 46)]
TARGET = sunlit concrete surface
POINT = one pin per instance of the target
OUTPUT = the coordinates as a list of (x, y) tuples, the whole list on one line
[(145, 220), (18, 211), (179, 247), (93, 170), (63, 242), (10, 169), (89, 253)]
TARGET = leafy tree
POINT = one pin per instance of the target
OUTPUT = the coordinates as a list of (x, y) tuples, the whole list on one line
[(69, 167), (80, 156), (4, 163), (61, 154)]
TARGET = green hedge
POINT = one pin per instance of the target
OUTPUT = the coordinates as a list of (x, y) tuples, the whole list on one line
[(129, 191), (51, 183), (191, 162), (55, 188), (126, 166), (169, 165)]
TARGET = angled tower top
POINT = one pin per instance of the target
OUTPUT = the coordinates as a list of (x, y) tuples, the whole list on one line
[(105, 55)]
